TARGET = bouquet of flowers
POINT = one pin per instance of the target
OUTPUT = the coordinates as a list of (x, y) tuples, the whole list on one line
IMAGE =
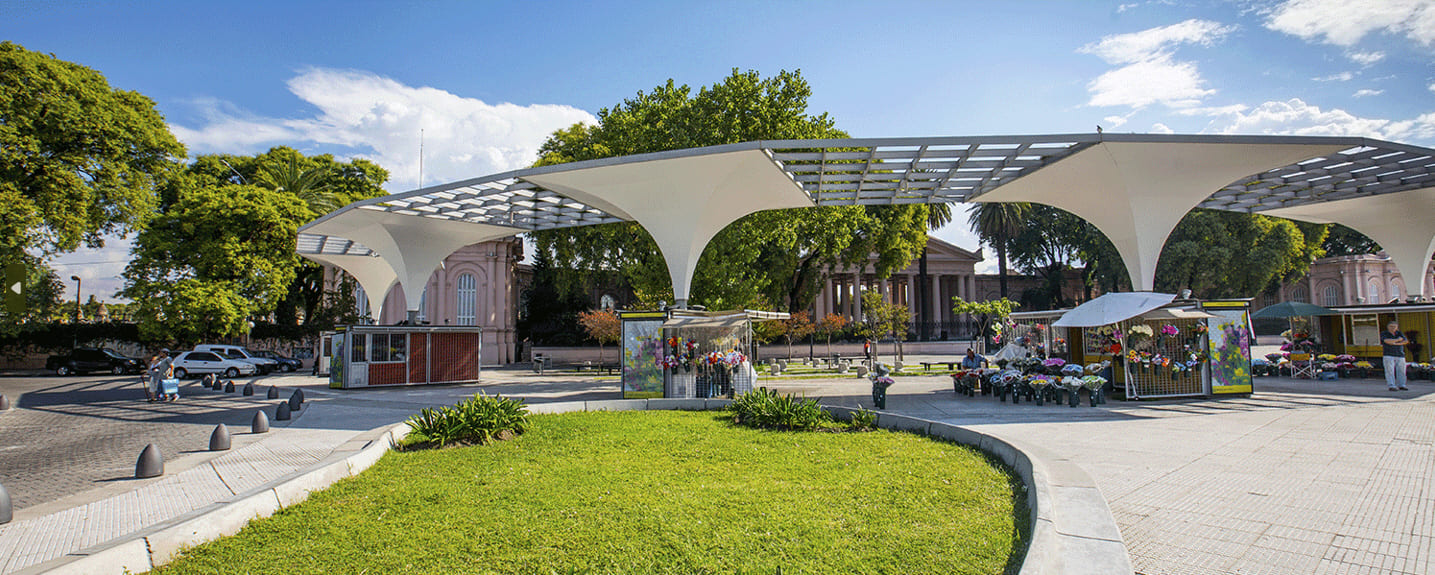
[(1362, 364), (1345, 358), (1072, 384), (1170, 330), (1039, 382), (1326, 357), (669, 362), (1095, 368), (1054, 362), (1073, 369), (733, 359), (1093, 382)]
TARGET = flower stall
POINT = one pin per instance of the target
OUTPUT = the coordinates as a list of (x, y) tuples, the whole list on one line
[(1353, 335), (1159, 348), (1032, 332), (689, 353)]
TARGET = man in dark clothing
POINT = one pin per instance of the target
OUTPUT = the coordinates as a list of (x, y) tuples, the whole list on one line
[(1393, 343)]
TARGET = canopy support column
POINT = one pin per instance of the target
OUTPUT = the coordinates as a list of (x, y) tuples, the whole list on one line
[(1136, 192), (682, 202), (1403, 223)]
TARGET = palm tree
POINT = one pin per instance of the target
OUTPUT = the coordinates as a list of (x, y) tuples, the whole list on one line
[(307, 185), (998, 223)]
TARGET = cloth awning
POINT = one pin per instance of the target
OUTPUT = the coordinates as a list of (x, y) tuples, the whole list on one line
[(1291, 309), (1176, 313), (689, 318), (1112, 308)]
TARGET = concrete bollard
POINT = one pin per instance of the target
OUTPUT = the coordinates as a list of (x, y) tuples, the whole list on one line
[(7, 511), (295, 402), (282, 413), (217, 385), (300, 394), (861, 371), (229, 386), (219, 440), (273, 392), (4, 402), (249, 388), (260, 424), (150, 463)]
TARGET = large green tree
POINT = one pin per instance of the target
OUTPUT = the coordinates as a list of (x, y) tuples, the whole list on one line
[(78, 159), (768, 259), (217, 256), (1226, 254)]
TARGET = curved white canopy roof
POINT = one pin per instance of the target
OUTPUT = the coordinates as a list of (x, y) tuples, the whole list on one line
[(1134, 187)]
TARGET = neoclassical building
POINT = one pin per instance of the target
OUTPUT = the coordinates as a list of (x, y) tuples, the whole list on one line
[(1347, 280), (476, 285), (951, 272)]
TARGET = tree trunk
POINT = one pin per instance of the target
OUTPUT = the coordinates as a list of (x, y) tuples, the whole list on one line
[(1001, 269)]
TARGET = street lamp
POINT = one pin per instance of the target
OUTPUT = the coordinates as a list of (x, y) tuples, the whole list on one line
[(77, 297)]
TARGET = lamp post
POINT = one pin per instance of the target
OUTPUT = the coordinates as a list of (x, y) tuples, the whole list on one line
[(77, 298)]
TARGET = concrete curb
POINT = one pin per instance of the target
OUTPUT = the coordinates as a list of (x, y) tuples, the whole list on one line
[(1072, 530)]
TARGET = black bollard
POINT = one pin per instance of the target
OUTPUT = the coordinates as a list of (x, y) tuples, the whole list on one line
[(282, 413), (300, 394), (296, 402), (219, 440), (249, 388), (150, 464), (273, 392), (260, 424), (7, 511), (229, 386), (217, 384), (1092, 396), (4, 402), (1075, 397)]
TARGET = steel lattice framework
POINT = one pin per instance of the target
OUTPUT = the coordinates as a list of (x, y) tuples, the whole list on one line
[(885, 171)]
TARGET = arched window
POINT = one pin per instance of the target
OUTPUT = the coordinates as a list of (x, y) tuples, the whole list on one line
[(1331, 297), (1397, 290), (1299, 294), (1270, 300), (361, 301), (1372, 294), (424, 305), (467, 300), (607, 302)]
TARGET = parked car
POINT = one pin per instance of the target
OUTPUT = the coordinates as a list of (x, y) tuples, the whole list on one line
[(287, 364), (196, 362), (88, 359), (263, 364)]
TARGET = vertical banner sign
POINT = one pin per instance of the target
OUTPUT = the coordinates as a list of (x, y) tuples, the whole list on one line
[(15, 289), (642, 346), (1230, 341)]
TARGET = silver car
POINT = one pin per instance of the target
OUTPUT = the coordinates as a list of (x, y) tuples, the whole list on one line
[(195, 362)]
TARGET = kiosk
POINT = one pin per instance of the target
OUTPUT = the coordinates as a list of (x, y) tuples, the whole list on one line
[(380, 356), (689, 353)]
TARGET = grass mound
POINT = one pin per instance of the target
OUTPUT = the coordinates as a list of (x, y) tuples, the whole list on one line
[(648, 492)]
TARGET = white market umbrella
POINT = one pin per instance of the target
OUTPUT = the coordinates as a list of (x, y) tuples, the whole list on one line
[(1112, 308)]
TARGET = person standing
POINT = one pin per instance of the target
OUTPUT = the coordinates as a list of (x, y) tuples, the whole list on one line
[(1392, 344), (160, 370)]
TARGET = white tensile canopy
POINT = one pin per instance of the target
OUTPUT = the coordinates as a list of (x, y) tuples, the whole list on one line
[(1133, 187)]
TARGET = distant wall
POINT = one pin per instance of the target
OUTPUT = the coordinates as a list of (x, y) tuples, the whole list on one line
[(568, 355)]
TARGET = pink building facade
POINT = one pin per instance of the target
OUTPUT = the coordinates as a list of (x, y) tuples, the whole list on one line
[(1348, 280)]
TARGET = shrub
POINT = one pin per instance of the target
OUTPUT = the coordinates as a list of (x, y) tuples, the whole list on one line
[(477, 420), (863, 420), (765, 409)]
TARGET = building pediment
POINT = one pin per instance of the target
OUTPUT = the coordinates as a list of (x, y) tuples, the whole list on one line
[(942, 250)]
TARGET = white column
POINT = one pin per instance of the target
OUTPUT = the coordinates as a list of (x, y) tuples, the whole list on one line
[(938, 304), (857, 295)]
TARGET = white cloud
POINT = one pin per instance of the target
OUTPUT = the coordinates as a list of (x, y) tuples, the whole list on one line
[(1114, 121), (1366, 92), (1344, 22), (98, 269), (1148, 74), (1341, 77), (1175, 84), (1124, 7), (1365, 58), (1296, 117), (381, 118), (1155, 42), (1432, 87), (1159, 128)]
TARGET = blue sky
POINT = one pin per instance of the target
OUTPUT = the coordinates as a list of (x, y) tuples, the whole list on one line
[(486, 81)]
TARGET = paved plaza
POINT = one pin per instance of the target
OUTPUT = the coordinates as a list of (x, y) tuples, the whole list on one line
[(1304, 477)]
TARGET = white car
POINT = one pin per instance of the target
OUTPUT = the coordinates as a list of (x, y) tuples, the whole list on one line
[(195, 362), (263, 364)]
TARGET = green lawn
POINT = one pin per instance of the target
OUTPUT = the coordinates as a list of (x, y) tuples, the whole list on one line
[(649, 492)]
